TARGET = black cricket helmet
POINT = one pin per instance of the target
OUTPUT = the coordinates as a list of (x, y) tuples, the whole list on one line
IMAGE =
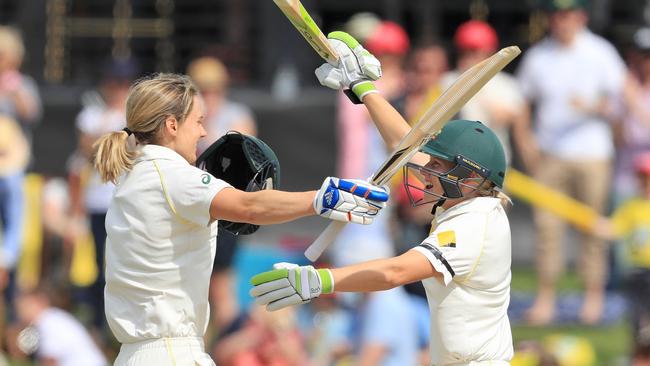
[(246, 163)]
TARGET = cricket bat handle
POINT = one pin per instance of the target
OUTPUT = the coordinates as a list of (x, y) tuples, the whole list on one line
[(324, 240)]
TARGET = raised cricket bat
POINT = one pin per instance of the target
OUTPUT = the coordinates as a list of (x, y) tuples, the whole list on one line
[(444, 108), (538, 195), (300, 19)]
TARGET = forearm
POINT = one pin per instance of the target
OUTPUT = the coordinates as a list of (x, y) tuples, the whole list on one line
[(262, 207), (274, 207), (383, 274), (391, 125), (377, 275)]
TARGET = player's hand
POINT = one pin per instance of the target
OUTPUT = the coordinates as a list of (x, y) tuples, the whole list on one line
[(350, 200), (289, 284), (356, 70)]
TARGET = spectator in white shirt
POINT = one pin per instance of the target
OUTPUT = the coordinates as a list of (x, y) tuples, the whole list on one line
[(61, 339), (570, 77)]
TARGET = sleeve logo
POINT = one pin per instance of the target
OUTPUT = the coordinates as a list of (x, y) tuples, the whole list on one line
[(447, 239), (205, 178)]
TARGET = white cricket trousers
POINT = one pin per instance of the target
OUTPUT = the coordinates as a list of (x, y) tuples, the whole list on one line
[(186, 351)]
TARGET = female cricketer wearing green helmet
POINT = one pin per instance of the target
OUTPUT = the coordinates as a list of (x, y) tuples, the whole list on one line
[(464, 263)]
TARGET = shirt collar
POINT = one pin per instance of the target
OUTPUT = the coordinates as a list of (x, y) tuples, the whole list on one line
[(476, 204), (153, 152)]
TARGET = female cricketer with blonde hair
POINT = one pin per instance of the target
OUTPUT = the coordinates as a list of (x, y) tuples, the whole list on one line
[(464, 263), (162, 222)]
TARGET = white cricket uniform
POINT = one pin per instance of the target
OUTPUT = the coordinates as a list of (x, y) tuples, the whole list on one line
[(159, 251), (470, 247)]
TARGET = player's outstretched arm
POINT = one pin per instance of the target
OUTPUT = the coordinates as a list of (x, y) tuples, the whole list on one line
[(345, 200), (289, 284)]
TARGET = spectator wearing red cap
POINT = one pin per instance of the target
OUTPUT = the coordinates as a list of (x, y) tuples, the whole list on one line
[(630, 224), (500, 103)]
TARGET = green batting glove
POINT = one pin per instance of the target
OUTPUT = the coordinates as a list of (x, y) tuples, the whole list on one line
[(289, 284)]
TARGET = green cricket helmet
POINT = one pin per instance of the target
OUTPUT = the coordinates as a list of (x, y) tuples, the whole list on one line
[(245, 162), (473, 147)]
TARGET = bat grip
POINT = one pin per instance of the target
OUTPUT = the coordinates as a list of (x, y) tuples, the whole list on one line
[(324, 240)]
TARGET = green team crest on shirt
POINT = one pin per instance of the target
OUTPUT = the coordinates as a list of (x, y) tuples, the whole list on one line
[(205, 178)]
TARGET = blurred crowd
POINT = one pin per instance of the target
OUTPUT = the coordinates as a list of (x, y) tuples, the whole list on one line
[(575, 115)]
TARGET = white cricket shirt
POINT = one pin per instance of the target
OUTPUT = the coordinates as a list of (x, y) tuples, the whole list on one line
[(160, 247), (470, 246), (64, 339)]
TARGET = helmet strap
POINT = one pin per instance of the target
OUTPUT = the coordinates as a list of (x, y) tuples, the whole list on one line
[(438, 203)]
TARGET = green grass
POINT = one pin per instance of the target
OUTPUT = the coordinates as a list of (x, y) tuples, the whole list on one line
[(611, 343), (525, 280)]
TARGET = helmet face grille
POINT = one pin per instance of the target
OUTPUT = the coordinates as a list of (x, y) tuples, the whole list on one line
[(255, 154)]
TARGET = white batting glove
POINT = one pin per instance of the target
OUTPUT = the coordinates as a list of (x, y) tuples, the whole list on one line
[(356, 70), (289, 284), (350, 200)]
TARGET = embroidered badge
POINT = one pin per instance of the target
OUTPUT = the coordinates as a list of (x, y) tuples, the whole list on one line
[(447, 239)]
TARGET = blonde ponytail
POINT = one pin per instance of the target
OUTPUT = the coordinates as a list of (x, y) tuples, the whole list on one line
[(150, 102), (489, 189), (113, 157)]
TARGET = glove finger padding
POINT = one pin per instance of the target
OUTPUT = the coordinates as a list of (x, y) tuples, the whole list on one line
[(370, 65), (361, 62), (283, 303), (349, 200), (290, 284), (273, 296), (356, 70), (329, 76)]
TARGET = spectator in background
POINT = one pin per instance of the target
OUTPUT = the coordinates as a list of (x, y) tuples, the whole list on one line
[(632, 127), (425, 65), (265, 339), (630, 224), (104, 111), (500, 103), (19, 100), (222, 115), (385, 334), (18, 92), (61, 340), (570, 77), (14, 156)]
